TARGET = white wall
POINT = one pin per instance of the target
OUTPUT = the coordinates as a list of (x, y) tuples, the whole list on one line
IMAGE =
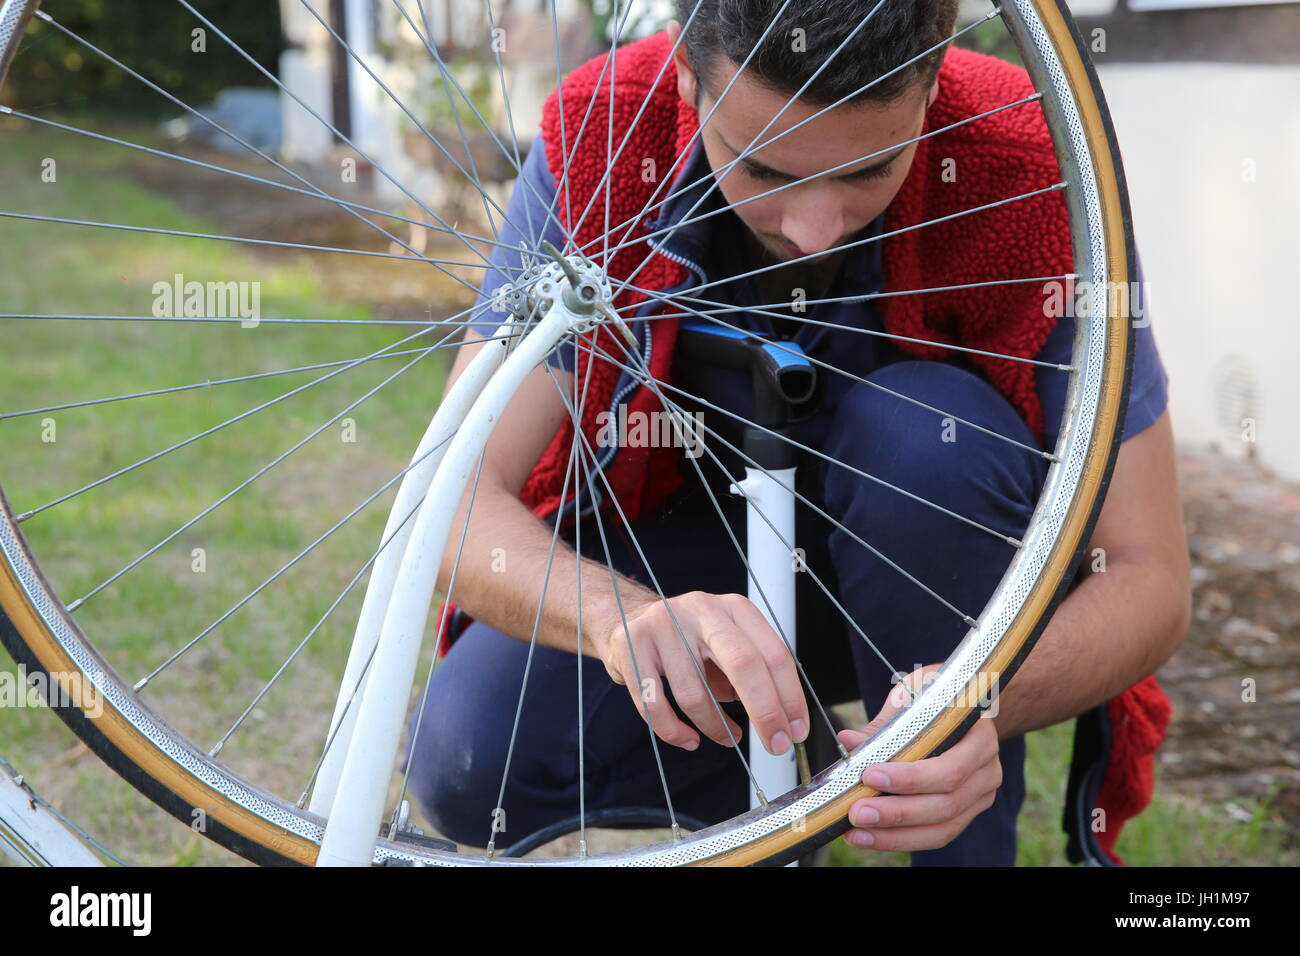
[(1212, 153), (305, 69)]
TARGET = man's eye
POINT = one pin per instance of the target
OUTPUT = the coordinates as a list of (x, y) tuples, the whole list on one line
[(880, 173), (766, 175)]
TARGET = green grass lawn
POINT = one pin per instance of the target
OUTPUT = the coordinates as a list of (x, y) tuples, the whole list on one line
[(163, 603)]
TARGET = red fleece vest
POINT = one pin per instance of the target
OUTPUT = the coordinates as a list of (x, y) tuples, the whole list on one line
[(991, 159)]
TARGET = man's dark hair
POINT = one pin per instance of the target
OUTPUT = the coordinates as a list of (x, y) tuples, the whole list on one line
[(897, 32)]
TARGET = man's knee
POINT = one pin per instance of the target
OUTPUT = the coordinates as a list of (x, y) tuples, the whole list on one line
[(455, 769), (459, 753), (912, 549), (931, 452)]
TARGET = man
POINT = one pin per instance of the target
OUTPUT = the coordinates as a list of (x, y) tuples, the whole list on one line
[(855, 172)]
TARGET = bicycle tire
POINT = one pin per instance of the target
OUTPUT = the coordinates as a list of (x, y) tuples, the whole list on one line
[(138, 744)]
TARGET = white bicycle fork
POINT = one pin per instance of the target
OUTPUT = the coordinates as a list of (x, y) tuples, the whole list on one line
[(365, 746), (370, 711)]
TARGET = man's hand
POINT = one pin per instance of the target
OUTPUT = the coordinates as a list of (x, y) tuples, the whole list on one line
[(740, 655), (931, 801)]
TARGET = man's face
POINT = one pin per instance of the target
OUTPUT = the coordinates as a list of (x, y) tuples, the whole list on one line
[(812, 217)]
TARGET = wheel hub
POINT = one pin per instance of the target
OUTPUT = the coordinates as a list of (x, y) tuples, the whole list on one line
[(573, 283)]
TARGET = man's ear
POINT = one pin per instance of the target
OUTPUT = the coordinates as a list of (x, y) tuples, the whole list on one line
[(934, 93), (686, 80)]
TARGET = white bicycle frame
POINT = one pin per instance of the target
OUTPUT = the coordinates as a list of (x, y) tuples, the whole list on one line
[(370, 711), (31, 833)]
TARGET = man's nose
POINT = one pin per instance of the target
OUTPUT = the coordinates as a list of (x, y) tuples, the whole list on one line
[(814, 223)]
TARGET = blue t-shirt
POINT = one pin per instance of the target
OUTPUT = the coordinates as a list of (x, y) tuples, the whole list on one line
[(713, 248)]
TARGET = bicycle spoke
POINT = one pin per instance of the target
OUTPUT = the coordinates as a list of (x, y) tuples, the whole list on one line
[(140, 684), (378, 167), (450, 80), (561, 187), (689, 220), (12, 775), (45, 17), (187, 388), (242, 485), (564, 143), (703, 123), (840, 526), (1055, 187), (654, 581), (609, 136), (200, 320), (1049, 456), (533, 234), (696, 136), (532, 648), (789, 102), (577, 577), (212, 167), (636, 668), (721, 308), (230, 421), (153, 230), (631, 223), (460, 130), (789, 545), (659, 383), (332, 735), (280, 671), (472, 179), (645, 103), (440, 635), (771, 612)]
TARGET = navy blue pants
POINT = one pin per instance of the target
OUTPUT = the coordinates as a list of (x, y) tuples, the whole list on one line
[(456, 770)]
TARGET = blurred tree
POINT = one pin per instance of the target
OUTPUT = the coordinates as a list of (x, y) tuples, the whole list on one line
[(158, 39), (640, 20)]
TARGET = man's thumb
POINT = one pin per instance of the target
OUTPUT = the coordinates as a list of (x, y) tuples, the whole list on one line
[(898, 698)]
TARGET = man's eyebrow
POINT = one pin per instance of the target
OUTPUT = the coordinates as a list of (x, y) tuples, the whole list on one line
[(767, 170)]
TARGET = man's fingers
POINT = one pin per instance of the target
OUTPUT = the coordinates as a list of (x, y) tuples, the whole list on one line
[(750, 663), (718, 683), (900, 695), (852, 739), (741, 661), (910, 839), (895, 701), (942, 774), (780, 664), (693, 696), (648, 698), (925, 809)]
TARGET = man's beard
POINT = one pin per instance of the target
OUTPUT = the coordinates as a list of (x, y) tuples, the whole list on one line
[(775, 248)]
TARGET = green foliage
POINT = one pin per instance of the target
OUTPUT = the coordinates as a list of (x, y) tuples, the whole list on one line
[(993, 39), (52, 70), (433, 98)]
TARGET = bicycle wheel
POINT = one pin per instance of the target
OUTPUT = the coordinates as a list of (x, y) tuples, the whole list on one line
[(151, 742)]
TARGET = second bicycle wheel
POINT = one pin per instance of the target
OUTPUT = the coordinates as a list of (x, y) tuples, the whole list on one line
[(957, 264)]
